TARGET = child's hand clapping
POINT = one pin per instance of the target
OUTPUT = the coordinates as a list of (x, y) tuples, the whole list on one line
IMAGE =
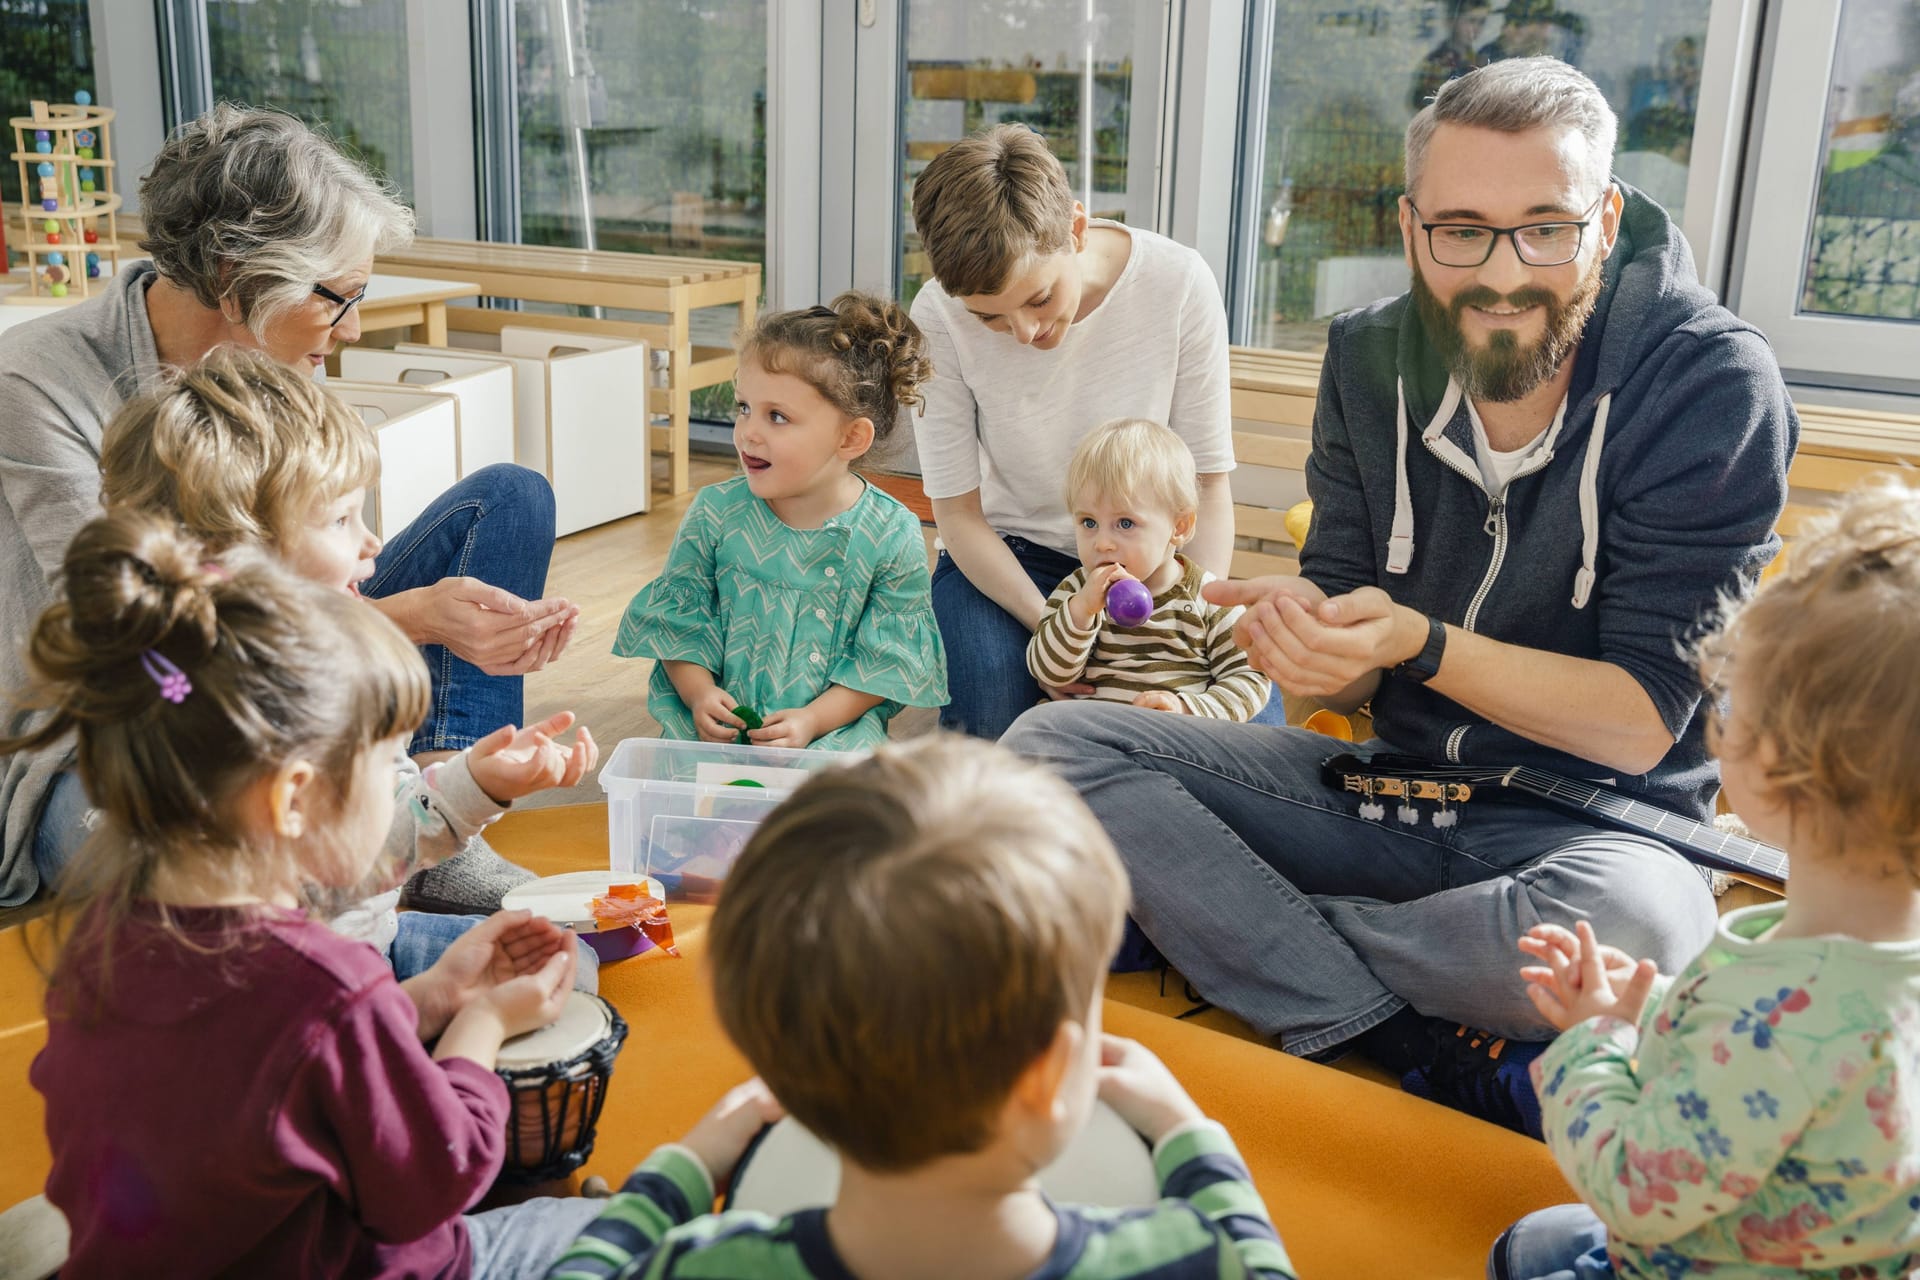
[(720, 1137), (1086, 603), (504, 946), (510, 763), (1135, 1083), (713, 717), (1580, 979)]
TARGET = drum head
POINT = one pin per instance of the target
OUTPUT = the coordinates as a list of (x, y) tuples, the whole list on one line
[(568, 899), (582, 1024), (788, 1169)]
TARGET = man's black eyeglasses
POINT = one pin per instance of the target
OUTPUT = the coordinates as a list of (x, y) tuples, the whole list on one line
[(1539, 244), (346, 304)]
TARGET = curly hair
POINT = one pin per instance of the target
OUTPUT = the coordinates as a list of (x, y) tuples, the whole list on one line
[(863, 353)]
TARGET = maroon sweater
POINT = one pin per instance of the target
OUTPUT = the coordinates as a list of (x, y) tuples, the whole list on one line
[(266, 1109)]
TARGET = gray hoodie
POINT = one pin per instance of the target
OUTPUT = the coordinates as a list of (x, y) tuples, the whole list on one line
[(1657, 490)]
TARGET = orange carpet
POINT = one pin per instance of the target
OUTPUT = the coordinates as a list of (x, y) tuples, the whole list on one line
[(1363, 1181)]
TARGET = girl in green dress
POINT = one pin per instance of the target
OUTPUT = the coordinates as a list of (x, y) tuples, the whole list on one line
[(798, 591)]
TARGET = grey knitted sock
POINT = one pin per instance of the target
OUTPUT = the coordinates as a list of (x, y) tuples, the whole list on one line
[(471, 882)]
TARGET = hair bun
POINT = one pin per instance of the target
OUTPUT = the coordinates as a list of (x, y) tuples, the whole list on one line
[(134, 582), (886, 336)]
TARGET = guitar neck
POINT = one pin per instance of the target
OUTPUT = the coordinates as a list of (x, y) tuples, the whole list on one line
[(1707, 843)]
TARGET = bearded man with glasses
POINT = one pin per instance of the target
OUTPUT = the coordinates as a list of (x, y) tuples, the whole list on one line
[(1532, 476)]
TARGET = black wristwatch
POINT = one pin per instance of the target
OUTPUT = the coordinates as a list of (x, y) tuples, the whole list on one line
[(1425, 665)]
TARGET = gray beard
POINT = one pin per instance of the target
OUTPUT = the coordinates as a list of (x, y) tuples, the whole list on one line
[(1504, 370)]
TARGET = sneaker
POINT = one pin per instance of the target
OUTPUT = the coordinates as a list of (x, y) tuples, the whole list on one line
[(1483, 1075)]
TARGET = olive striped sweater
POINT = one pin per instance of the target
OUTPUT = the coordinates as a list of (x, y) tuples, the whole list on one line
[(1185, 648)]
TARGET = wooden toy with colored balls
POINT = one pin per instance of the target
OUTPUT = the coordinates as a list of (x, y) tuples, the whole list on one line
[(1129, 603)]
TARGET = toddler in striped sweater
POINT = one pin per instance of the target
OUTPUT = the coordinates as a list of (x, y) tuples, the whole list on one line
[(1134, 499)]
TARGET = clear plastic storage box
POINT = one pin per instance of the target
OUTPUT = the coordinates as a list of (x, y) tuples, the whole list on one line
[(682, 811)]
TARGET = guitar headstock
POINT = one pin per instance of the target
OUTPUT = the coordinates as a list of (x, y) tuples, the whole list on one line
[(1409, 777)]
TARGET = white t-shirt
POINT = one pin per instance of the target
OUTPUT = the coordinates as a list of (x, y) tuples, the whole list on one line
[(1499, 466), (1004, 419)]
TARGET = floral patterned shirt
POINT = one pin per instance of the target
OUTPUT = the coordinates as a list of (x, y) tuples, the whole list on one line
[(1763, 1117)]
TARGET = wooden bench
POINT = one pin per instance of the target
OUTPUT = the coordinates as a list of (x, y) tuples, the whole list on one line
[(673, 286)]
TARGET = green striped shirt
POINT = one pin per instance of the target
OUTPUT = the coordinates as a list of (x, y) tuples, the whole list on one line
[(1185, 648), (1210, 1224)]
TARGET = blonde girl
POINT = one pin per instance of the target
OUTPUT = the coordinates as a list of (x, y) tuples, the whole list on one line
[(241, 450), (799, 591), (231, 1087), (1759, 1114)]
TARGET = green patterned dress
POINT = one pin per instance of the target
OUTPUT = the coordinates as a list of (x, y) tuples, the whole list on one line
[(778, 614)]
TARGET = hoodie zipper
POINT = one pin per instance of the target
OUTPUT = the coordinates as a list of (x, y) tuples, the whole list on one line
[(1496, 528)]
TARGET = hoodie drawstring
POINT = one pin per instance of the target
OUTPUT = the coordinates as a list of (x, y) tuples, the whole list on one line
[(1590, 504), (1400, 545)]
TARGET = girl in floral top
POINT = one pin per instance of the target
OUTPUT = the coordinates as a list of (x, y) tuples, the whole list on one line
[(1759, 1114), (799, 591)]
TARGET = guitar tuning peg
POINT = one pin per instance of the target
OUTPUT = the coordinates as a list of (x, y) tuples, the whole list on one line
[(1446, 818), (1373, 811), (1408, 815)]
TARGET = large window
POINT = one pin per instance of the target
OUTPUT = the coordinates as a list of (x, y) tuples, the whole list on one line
[(1064, 68), (48, 55), (643, 125), (1863, 251), (338, 63), (1345, 79)]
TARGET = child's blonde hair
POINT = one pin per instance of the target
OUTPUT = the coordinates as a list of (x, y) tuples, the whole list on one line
[(862, 353), (987, 205), (904, 937), (183, 681), (1825, 653), (238, 448), (1134, 460)]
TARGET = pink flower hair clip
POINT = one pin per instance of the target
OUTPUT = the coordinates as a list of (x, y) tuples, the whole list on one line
[(173, 682)]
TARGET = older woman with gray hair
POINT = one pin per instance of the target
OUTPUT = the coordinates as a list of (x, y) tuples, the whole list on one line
[(261, 234)]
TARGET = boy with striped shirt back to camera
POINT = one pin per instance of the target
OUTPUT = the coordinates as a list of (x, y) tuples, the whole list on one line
[(1134, 498), (990, 898)]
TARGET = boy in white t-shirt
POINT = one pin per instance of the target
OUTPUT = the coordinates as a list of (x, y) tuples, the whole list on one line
[(1041, 324)]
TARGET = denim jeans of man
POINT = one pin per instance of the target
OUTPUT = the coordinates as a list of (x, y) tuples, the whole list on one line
[(495, 525), (987, 646), (1272, 894)]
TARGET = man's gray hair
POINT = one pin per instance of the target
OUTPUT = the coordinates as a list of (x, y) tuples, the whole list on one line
[(1514, 96), (254, 206)]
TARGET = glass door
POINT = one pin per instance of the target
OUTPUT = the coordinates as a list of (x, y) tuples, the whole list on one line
[(1087, 75), (1832, 270)]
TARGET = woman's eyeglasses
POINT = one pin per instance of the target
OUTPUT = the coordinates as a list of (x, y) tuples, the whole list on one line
[(346, 304)]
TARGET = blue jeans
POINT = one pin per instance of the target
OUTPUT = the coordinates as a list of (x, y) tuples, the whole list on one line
[(495, 525), (522, 1240), (1282, 905), (67, 818), (424, 937), (1566, 1242), (986, 646)]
